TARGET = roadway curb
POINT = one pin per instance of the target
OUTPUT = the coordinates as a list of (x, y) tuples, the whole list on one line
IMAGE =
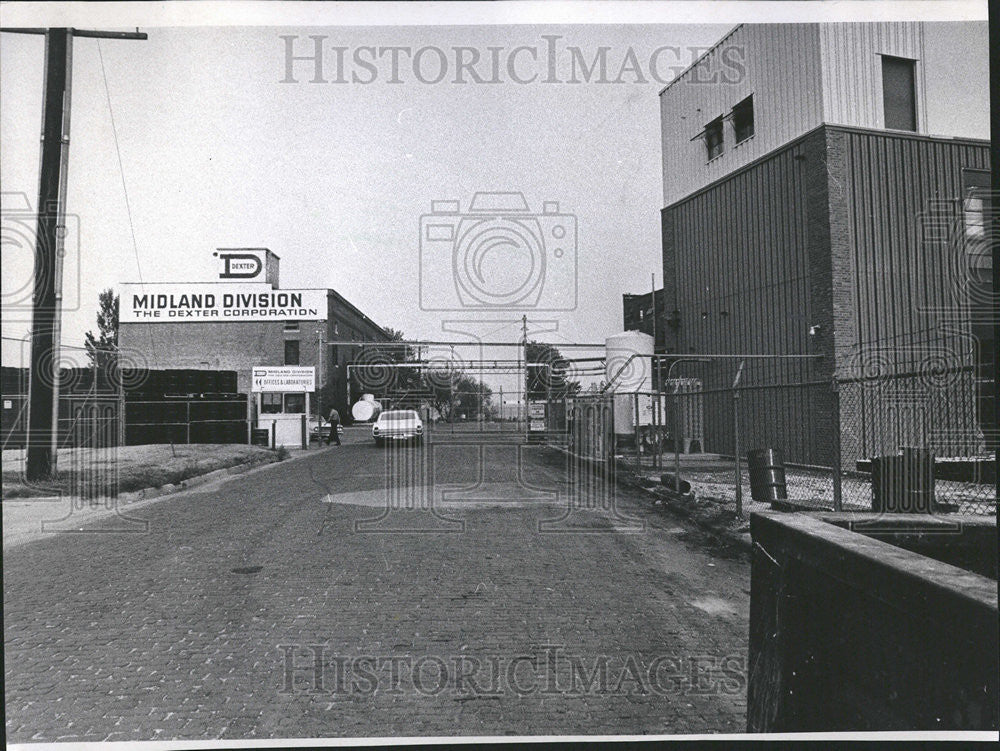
[(679, 504), (216, 474), (193, 482)]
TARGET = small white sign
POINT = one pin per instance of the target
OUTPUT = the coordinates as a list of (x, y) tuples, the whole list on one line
[(536, 409), (534, 425), (283, 378), (8, 404)]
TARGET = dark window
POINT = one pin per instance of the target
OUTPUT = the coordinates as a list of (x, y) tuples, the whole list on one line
[(899, 96), (291, 325), (270, 404), (713, 138), (295, 404), (743, 119), (292, 352)]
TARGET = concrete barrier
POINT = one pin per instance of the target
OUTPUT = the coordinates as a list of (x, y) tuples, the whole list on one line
[(852, 633)]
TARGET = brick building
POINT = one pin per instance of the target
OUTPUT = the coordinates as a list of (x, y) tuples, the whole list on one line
[(822, 198), (225, 326), (647, 313)]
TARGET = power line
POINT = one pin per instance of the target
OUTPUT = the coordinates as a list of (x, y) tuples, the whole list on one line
[(121, 172)]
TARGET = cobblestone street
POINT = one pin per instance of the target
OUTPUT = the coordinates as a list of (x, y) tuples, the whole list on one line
[(285, 603)]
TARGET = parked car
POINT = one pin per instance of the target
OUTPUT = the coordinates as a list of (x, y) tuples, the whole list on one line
[(321, 431), (398, 425)]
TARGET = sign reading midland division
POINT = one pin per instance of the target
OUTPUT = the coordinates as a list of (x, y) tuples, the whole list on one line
[(170, 303), (283, 378)]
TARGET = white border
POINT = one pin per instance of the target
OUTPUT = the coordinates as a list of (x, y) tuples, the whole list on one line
[(931, 735), (259, 13)]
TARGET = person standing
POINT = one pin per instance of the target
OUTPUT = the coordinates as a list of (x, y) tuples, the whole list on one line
[(334, 427)]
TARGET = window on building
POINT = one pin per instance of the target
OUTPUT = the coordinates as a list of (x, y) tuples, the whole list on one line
[(270, 404), (291, 325), (292, 352), (713, 138), (899, 95), (977, 214), (295, 404), (743, 119)]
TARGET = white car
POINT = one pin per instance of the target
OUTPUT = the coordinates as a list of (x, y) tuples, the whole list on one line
[(398, 425)]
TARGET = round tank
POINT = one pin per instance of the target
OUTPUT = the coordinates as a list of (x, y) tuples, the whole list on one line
[(366, 409), (630, 374), (617, 351)]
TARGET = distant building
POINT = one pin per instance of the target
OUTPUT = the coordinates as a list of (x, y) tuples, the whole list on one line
[(825, 193), (647, 313), (242, 320)]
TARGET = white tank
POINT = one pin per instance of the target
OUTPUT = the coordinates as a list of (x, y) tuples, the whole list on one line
[(617, 351), (366, 409), (630, 374)]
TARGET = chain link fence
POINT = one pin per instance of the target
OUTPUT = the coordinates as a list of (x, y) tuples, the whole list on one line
[(832, 435)]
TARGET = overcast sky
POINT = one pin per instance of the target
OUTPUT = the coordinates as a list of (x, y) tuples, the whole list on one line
[(217, 151)]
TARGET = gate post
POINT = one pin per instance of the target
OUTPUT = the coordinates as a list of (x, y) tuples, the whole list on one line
[(838, 489)]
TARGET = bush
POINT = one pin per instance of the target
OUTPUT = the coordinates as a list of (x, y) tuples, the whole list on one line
[(282, 453)]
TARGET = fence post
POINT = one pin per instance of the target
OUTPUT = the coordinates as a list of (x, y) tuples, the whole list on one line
[(635, 421), (736, 439), (677, 436), (736, 452), (188, 403), (838, 503)]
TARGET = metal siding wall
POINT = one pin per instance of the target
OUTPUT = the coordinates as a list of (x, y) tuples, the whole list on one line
[(900, 279), (907, 293), (852, 69), (782, 64), (745, 241)]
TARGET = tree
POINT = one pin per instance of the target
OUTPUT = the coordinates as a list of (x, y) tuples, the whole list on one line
[(375, 371), (551, 379), (102, 349), (452, 392)]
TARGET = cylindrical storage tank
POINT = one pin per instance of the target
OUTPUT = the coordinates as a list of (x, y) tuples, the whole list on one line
[(636, 376), (366, 409)]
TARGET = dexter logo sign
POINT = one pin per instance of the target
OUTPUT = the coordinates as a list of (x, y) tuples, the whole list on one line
[(240, 265)]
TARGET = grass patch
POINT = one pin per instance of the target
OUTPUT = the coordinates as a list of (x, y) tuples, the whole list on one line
[(128, 468)]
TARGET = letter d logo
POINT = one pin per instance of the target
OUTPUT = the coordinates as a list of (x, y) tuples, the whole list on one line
[(240, 265)]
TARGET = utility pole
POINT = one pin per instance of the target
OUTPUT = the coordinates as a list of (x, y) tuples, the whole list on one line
[(320, 380), (43, 376), (524, 376), (655, 363)]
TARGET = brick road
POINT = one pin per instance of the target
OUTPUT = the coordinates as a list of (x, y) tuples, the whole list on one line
[(493, 629)]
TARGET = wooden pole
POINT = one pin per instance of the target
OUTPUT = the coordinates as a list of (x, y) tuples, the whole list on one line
[(43, 377)]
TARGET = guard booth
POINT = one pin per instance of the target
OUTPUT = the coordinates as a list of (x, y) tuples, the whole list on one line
[(283, 402)]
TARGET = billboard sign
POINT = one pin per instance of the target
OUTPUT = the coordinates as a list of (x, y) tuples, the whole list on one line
[(219, 303), (283, 378)]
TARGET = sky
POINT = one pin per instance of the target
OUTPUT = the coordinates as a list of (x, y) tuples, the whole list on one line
[(217, 151)]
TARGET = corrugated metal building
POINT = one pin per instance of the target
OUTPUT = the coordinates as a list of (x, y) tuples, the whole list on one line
[(822, 198)]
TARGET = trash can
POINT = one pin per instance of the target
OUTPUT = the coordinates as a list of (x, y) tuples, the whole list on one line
[(903, 483), (261, 437), (767, 475)]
